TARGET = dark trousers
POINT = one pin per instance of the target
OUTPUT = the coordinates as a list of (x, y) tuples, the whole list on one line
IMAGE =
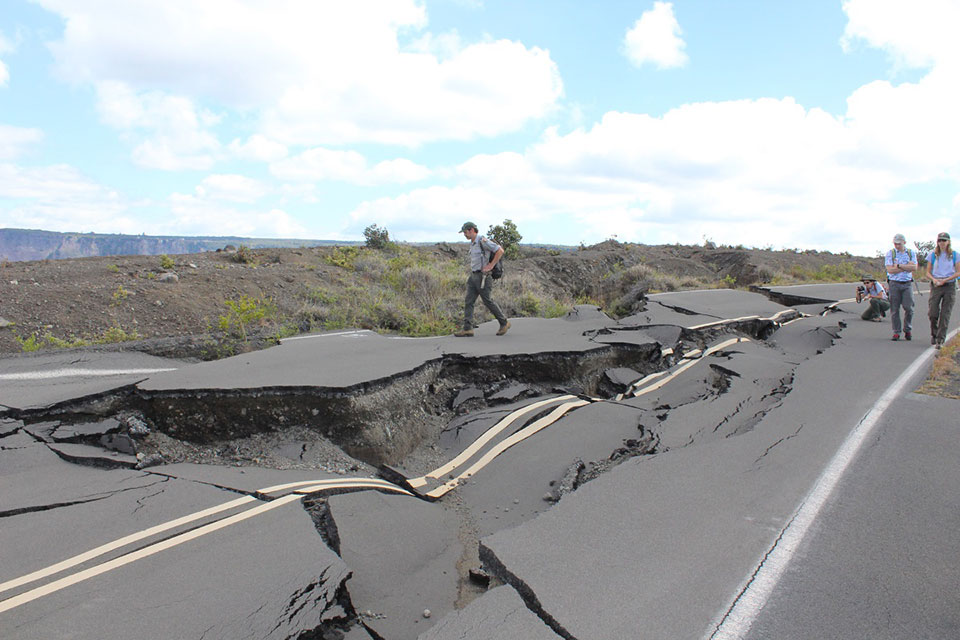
[(478, 285), (901, 295), (939, 309), (875, 309)]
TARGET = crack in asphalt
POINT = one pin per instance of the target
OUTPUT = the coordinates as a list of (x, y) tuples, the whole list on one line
[(490, 559), (770, 448), (58, 505), (753, 577), (687, 312), (140, 501)]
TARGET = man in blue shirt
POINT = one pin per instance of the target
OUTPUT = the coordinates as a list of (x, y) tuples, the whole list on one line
[(942, 273), (484, 254), (901, 263)]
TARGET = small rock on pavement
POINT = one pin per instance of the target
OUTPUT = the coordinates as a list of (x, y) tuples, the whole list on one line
[(169, 278), (4, 323), (426, 613)]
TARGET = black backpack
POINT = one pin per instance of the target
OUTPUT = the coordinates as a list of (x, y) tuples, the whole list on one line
[(497, 272)]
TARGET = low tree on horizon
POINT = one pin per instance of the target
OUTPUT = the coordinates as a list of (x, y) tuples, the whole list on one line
[(507, 236)]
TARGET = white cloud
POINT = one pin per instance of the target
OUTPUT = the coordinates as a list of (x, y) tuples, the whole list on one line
[(14, 139), (320, 164), (172, 133), (217, 207), (259, 148), (323, 73), (231, 187), (920, 33), (59, 198), (655, 39), (200, 215)]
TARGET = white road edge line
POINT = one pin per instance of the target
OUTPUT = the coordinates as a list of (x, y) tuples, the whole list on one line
[(77, 373), (757, 588)]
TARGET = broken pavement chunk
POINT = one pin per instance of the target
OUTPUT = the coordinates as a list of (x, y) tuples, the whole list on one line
[(85, 430), (466, 394), (93, 456), (403, 553)]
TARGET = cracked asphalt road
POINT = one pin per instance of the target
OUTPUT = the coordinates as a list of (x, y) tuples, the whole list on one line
[(679, 492)]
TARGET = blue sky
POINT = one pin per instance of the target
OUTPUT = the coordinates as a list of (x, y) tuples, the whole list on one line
[(821, 124)]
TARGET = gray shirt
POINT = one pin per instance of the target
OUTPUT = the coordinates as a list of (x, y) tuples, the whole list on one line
[(479, 247)]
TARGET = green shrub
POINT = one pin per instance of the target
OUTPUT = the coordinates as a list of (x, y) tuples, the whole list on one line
[(119, 295), (244, 255), (116, 334), (344, 257), (166, 262), (243, 312)]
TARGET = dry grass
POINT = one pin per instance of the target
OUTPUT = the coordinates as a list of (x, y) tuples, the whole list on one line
[(413, 292), (944, 377)]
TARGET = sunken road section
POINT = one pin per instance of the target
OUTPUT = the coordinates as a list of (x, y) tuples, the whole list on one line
[(382, 420)]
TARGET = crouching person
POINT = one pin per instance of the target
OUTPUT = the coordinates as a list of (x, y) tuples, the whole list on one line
[(876, 297)]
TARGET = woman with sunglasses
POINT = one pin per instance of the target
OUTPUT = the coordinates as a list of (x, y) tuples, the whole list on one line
[(942, 273)]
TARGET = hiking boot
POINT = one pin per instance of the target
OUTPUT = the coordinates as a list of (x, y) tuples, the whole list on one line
[(464, 333), (907, 336), (877, 319), (895, 337), (933, 339), (937, 346), (503, 328)]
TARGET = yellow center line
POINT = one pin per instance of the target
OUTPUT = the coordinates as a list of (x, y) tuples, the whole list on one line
[(314, 486), (467, 453), (505, 444), (329, 481), (133, 556), (353, 484), (725, 321), (122, 542), (687, 365)]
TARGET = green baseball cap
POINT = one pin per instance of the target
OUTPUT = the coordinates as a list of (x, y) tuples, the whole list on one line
[(467, 225)]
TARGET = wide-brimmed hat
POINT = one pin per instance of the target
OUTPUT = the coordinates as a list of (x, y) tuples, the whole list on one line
[(867, 278)]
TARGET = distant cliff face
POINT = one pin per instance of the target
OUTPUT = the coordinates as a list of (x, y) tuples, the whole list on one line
[(29, 244)]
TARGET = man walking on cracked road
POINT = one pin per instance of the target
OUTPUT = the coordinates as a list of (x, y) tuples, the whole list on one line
[(901, 263), (484, 255)]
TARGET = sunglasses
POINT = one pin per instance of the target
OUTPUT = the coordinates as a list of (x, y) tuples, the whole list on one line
[(943, 239)]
